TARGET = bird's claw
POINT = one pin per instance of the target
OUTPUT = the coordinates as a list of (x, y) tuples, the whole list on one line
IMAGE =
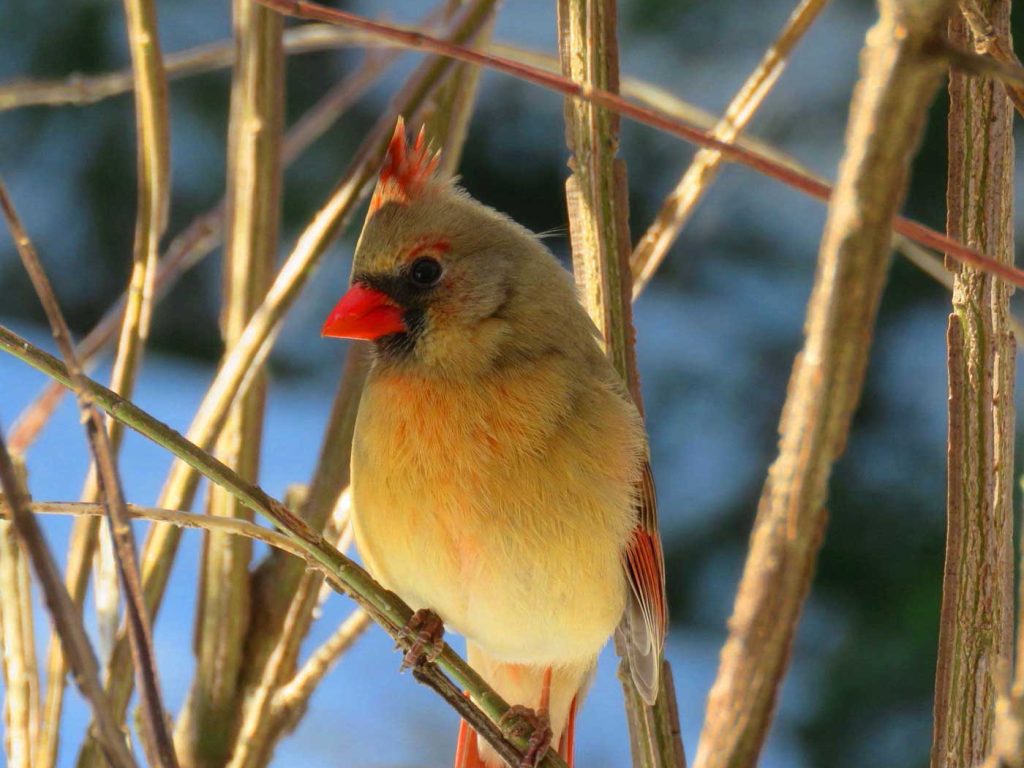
[(521, 722), (425, 632)]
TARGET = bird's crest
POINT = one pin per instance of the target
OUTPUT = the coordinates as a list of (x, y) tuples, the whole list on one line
[(406, 169)]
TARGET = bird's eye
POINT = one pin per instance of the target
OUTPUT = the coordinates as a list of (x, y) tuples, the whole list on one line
[(425, 271)]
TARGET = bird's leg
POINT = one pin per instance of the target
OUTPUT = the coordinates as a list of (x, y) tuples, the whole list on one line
[(534, 726), (425, 631)]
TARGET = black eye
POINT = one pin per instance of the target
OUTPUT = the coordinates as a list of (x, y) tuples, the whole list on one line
[(425, 271)]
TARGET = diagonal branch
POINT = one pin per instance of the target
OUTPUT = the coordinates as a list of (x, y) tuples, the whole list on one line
[(484, 709), (652, 248), (69, 624), (897, 83), (156, 736), (738, 152)]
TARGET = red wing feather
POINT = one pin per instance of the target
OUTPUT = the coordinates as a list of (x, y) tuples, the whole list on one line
[(646, 619)]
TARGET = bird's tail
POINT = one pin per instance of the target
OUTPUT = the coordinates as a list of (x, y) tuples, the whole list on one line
[(467, 752)]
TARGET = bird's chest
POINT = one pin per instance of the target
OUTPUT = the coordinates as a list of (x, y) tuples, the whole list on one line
[(436, 466)]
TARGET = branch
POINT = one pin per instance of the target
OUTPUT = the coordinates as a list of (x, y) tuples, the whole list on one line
[(762, 163), (889, 106), (69, 625), (343, 574), (597, 198), (653, 247), (205, 731), (976, 621), (156, 736), (17, 639)]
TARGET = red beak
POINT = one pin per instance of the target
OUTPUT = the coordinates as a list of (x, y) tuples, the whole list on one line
[(364, 313)]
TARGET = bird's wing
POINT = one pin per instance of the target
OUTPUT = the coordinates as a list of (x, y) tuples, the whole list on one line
[(645, 621)]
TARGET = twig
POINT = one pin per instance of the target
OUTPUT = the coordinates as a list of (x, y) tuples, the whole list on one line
[(285, 594), (291, 700), (597, 198), (652, 248), (156, 737), (82, 90), (976, 621), (738, 152), (226, 525), (206, 728), (17, 639), (199, 239), (345, 575), (897, 83), (65, 617)]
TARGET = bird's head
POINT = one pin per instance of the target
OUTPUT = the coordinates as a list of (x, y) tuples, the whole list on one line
[(439, 280)]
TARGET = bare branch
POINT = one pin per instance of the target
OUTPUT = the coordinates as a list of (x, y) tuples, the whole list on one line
[(897, 83), (156, 736), (738, 152), (652, 248), (76, 644), (976, 621)]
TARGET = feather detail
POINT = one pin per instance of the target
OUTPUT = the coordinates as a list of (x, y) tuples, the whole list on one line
[(466, 753), (567, 744), (646, 618), (406, 169)]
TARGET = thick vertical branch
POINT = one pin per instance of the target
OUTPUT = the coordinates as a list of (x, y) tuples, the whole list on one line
[(976, 624), (17, 641), (205, 730), (897, 83), (599, 225)]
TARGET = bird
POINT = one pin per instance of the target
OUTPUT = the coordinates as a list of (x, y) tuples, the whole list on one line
[(500, 471)]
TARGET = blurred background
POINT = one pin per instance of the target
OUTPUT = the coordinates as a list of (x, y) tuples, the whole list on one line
[(717, 332)]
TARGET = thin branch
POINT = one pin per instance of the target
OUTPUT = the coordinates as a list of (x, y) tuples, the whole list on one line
[(156, 736), (652, 248), (284, 593), (199, 239), (70, 630), (226, 525), (976, 620), (345, 576), (738, 152), (291, 700), (887, 114)]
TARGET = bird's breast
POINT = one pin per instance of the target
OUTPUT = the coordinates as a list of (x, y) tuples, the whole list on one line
[(501, 504)]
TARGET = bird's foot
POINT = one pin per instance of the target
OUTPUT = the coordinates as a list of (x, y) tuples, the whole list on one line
[(425, 631), (523, 723)]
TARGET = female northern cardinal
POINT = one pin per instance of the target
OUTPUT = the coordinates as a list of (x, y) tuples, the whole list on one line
[(499, 467)]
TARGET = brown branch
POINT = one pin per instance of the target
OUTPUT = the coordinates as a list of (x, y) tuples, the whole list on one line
[(69, 625), (738, 152), (17, 639), (652, 248), (205, 731), (997, 46), (888, 110), (597, 198), (976, 622), (156, 737)]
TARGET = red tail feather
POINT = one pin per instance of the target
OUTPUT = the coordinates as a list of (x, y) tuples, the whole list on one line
[(567, 744), (466, 753)]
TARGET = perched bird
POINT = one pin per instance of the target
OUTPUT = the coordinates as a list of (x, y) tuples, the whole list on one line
[(499, 467)]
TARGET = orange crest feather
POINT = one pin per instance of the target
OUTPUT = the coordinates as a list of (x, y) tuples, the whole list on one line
[(406, 169)]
